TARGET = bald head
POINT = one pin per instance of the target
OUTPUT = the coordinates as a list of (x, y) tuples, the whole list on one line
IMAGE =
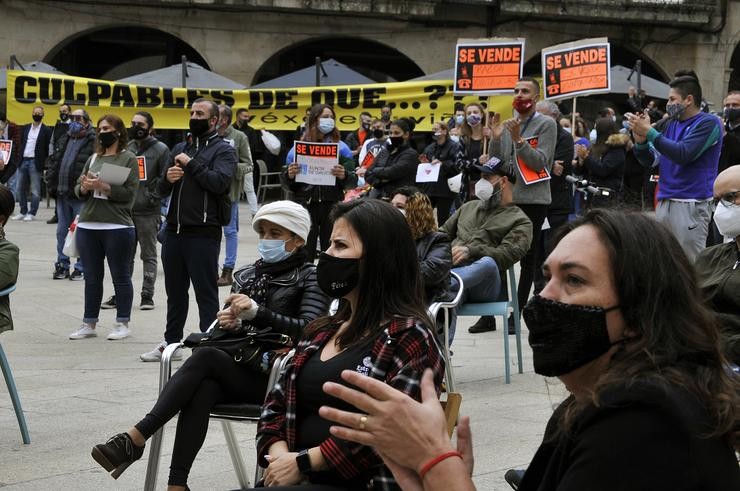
[(728, 181)]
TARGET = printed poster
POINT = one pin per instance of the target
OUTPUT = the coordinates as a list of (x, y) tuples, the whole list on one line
[(315, 162)]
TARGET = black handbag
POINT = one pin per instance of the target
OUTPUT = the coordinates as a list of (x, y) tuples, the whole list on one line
[(245, 346)]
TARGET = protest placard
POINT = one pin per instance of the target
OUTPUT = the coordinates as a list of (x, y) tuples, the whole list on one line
[(6, 149), (488, 66), (141, 160), (427, 172), (577, 68), (531, 176), (315, 162)]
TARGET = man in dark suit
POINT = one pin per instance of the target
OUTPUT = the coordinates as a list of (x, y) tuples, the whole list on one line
[(35, 140)]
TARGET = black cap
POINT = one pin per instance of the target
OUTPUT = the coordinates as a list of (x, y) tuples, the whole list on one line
[(499, 167)]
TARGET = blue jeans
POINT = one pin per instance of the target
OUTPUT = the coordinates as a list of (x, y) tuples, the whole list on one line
[(28, 173), (231, 235), (116, 245), (67, 210), (482, 283)]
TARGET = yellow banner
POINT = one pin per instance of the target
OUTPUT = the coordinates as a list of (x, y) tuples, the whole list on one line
[(273, 109)]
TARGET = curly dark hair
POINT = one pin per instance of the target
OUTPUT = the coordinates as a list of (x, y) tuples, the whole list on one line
[(677, 342)]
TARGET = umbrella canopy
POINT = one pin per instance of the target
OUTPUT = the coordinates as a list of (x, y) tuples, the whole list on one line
[(619, 74), (333, 73), (171, 76), (34, 66)]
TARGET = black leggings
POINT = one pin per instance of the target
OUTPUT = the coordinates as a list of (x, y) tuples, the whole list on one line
[(443, 206), (209, 377), (536, 214), (321, 226)]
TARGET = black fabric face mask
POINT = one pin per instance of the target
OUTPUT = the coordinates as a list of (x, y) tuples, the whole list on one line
[(396, 141), (137, 133), (37, 117), (199, 127), (63, 116), (337, 276), (107, 139), (378, 133), (564, 336)]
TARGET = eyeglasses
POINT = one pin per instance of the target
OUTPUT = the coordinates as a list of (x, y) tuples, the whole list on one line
[(728, 199), (76, 118)]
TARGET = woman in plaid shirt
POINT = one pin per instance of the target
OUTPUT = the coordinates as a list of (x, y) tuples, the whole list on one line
[(380, 330)]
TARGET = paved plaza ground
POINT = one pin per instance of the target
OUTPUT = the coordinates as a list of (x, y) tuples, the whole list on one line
[(78, 393)]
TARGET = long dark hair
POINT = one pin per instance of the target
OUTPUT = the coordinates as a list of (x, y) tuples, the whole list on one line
[(677, 338), (390, 284), (312, 133)]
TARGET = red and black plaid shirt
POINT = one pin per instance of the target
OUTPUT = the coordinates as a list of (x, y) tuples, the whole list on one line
[(400, 356)]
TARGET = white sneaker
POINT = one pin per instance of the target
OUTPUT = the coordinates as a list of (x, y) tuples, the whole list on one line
[(156, 353), (120, 331), (85, 331), (19, 216), (29, 218)]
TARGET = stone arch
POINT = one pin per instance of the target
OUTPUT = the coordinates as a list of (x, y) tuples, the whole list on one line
[(117, 51), (373, 59)]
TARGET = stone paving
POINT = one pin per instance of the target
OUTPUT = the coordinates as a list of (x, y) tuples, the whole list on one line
[(78, 393)]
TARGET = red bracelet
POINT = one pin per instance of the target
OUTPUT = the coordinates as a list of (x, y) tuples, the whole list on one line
[(436, 460)]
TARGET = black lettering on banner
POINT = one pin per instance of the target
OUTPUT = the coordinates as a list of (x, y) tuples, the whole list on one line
[(69, 94), (223, 97), (322, 96), (283, 99), (371, 98), (417, 120), (170, 101), (96, 92), (195, 94), (287, 118), (260, 99), (348, 98), (148, 96), (348, 119), (50, 90), (122, 96), (269, 118), (21, 95)]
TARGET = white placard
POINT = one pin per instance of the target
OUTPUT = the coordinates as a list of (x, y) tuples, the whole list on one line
[(315, 163), (115, 175), (427, 172)]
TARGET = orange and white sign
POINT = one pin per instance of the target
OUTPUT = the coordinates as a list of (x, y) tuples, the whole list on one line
[(531, 176), (488, 66), (141, 160), (577, 68), (6, 149)]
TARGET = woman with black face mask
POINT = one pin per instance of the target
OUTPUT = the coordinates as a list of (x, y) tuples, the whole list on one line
[(653, 403), (319, 200), (106, 227), (381, 330), (395, 165)]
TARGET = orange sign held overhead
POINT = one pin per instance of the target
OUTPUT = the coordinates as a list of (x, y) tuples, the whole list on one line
[(488, 66), (577, 68)]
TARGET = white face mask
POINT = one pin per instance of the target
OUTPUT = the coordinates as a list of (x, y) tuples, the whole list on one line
[(455, 138), (727, 219), (483, 190)]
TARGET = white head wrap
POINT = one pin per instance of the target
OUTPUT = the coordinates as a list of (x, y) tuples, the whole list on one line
[(287, 214)]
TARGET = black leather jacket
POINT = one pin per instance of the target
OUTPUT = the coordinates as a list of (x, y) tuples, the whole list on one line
[(294, 300), (435, 259)]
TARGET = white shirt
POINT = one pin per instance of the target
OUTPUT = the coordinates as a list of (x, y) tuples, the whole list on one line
[(33, 134)]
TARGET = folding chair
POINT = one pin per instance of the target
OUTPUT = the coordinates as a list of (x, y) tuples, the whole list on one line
[(226, 413), (265, 183), (10, 382), (446, 307), (501, 308)]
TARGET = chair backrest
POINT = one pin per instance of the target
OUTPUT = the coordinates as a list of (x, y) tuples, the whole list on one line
[(262, 166), (452, 409), (7, 290), (450, 304)]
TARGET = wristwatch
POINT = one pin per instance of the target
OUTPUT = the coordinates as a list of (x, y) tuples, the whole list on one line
[(304, 462)]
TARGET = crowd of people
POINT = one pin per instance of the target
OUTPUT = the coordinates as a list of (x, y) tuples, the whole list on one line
[(638, 316)]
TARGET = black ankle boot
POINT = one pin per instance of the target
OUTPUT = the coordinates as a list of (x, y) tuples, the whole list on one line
[(117, 454), (486, 323)]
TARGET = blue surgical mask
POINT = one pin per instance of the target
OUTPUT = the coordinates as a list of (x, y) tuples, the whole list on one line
[(459, 119), (74, 127), (272, 251), (326, 125)]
